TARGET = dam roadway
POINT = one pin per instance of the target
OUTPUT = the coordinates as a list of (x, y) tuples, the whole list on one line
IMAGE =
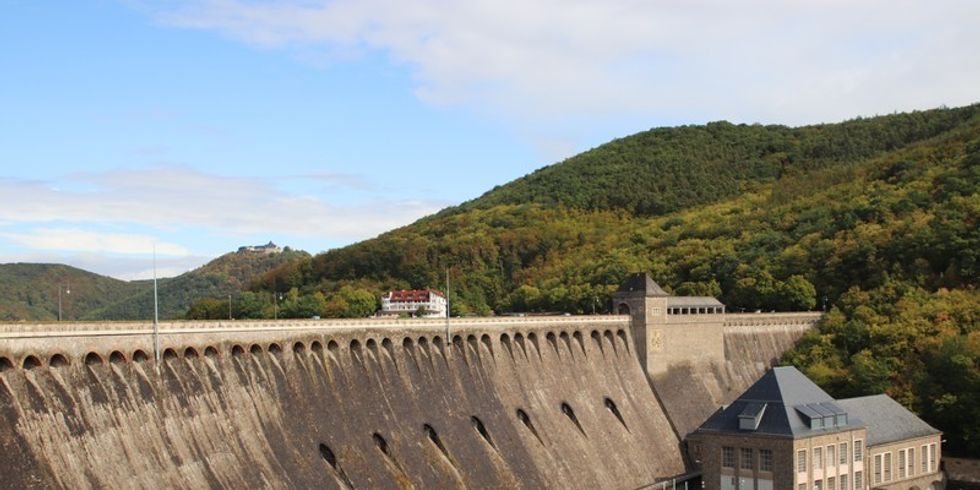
[(532, 402)]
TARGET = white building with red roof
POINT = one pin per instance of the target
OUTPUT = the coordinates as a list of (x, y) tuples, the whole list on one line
[(411, 301)]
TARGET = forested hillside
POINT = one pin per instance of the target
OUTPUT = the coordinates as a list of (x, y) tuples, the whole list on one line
[(785, 242), (874, 219), (227, 275), (30, 291), (669, 169)]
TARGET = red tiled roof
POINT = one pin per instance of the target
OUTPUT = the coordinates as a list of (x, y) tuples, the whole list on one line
[(413, 295)]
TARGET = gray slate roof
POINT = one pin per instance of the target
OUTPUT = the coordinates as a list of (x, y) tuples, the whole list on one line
[(886, 419), (641, 284), (782, 389)]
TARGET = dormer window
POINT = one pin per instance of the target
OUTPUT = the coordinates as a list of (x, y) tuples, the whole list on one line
[(824, 415), (751, 416)]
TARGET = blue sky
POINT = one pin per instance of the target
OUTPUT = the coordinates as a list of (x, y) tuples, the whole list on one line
[(199, 126)]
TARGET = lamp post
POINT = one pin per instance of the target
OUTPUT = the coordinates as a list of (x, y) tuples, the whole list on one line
[(156, 313), (67, 288), (449, 340), (276, 296)]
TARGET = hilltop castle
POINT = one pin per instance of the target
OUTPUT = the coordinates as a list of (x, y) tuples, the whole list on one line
[(268, 248)]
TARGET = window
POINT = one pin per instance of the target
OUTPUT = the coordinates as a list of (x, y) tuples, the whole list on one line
[(932, 457), (831, 457), (817, 484), (817, 460), (843, 457), (728, 457), (858, 449), (924, 456), (801, 461), (843, 482), (858, 480), (802, 486), (877, 472), (911, 461), (888, 466), (748, 459), (901, 463), (765, 460), (830, 483)]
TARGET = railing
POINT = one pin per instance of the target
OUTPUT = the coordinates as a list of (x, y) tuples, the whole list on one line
[(689, 481), (807, 318), (19, 330)]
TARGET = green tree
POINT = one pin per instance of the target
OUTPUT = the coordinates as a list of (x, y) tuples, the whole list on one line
[(208, 309), (361, 303), (795, 294), (251, 305)]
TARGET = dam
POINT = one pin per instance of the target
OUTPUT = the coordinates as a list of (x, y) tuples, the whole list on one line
[(529, 402)]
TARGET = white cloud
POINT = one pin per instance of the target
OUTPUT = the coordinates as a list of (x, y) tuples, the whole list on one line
[(335, 179), (81, 240), (181, 198), (125, 267), (148, 273), (793, 61)]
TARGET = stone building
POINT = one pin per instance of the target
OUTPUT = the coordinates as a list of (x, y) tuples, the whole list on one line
[(431, 301), (903, 451), (785, 433), (670, 329)]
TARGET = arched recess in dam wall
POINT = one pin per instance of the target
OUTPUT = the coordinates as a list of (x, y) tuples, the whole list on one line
[(691, 391), (560, 404)]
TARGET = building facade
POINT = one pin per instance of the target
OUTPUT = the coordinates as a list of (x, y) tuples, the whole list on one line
[(903, 452), (426, 303), (785, 433)]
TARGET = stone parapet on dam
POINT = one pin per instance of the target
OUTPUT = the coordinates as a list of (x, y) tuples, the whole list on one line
[(50, 338), (803, 319)]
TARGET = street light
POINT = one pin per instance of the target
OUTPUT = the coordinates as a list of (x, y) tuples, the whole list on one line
[(276, 296), (67, 288)]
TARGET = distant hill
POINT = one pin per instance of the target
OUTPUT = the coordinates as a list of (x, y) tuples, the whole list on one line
[(226, 275), (30, 291), (669, 169)]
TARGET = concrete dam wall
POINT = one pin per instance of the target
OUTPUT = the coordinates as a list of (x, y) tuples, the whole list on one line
[(752, 343), (504, 403)]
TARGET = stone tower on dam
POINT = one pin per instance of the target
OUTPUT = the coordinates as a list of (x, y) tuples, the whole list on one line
[(553, 402), (669, 329)]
